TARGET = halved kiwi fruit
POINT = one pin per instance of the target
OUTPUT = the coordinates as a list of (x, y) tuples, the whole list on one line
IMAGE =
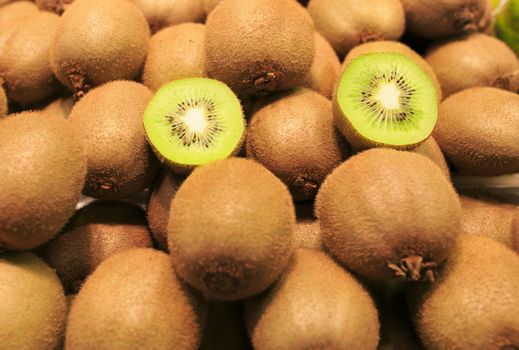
[(193, 121), (385, 99)]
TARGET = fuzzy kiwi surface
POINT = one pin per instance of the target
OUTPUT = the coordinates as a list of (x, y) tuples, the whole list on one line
[(474, 303), (441, 19), (515, 233), (348, 23), (175, 52), (483, 59), (308, 229), (3, 103), (258, 58), (165, 13), (387, 213), (134, 301), (108, 120), (42, 173), (226, 238), (209, 5), (295, 138), (477, 131), (32, 303), (95, 233), (297, 312), (57, 6), (225, 327), (98, 41), (13, 16), (431, 150), (60, 107)]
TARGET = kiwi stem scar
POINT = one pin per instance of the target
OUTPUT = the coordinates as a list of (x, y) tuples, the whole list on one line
[(413, 268)]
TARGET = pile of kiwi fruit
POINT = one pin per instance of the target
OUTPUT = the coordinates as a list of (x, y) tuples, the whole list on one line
[(259, 174)]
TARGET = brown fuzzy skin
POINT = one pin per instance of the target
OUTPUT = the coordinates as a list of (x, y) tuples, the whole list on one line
[(383, 206), (225, 328), (3, 103), (98, 41), (316, 305), (348, 23), (295, 138), (175, 52), (308, 229), (431, 150), (484, 61), (246, 49), (13, 16), (444, 18), (515, 233), (325, 68), (226, 238), (42, 173), (57, 6), (164, 13), (477, 131), (134, 301), (209, 5), (96, 232), (32, 303), (474, 304), (60, 107), (159, 206), (109, 122)]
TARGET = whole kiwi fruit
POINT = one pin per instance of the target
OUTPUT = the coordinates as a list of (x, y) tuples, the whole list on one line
[(226, 238), (95, 232), (134, 300), (474, 303), (315, 305), (308, 229), (295, 138), (164, 13), (3, 103), (108, 120), (32, 303), (60, 107), (225, 327), (42, 173), (209, 5), (258, 57), (483, 59), (98, 41), (175, 52), (348, 23), (477, 131), (431, 150), (13, 16), (515, 232), (58, 6), (387, 213)]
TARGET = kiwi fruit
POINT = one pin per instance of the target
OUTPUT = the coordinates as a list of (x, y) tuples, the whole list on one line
[(441, 19), (42, 173), (348, 23), (315, 305), (225, 328), (385, 99), (175, 52), (133, 300), (57, 6), (12, 16), (209, 5), (431, 150), (98, 41), (60, 107), (24, 60), (259, 58), (474, 303), (295, 138), (484, 61), (165, 13), (515, 233), (308, 229), (387, 213), (226, 238), (325, 69), (3, 103), (96, 232), (193, 121), (477, 131), (108, 120), (159, 205)]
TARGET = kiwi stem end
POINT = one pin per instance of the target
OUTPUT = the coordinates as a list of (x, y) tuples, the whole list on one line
[(413, 268), (508, 82)]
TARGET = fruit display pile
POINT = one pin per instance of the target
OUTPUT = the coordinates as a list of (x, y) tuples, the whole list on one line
[(258, 174)]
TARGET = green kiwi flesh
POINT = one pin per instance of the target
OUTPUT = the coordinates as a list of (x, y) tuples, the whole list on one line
[(193, 121), (385, 99), (506, 25), (3, 103)]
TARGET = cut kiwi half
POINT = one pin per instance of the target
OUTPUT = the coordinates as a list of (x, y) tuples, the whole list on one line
[(385, 99), (193, 121)]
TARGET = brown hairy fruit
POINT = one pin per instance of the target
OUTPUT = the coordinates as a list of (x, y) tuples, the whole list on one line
[(175, 52), (346, 24), (3, 103), (315, 305), (95, 233), (515, 232), (387, 213), (484, 61), (164, 13), (431, 150), (226, 238), (474, 304), (58, 6), (109, 121), (295, 138), (32, 303), (42, 173), (325, 68), (13, 16), (225, 328), (159, 206), (308, 229), (209, 5), (257, 57), (60, 107), (477, 131), (98, 41), (132, 301)]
